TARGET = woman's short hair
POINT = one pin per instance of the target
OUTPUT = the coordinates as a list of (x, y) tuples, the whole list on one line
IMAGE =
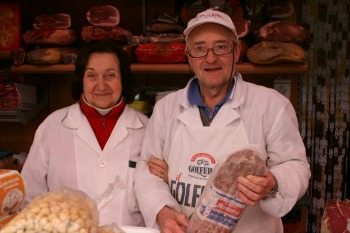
[(104, 46)]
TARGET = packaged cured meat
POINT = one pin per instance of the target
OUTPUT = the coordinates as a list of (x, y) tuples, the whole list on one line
[(49, 36), (282, 31), (50, 56), (336, 217), (104, 16), (219, 208), (267, 52), (277, 9), (44, 56), (52, 21), (9, 95), (63, 211), (9, 26), (157, 53), (89, 33)]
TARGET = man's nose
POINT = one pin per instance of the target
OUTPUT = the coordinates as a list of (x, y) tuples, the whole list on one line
[(211, 56)]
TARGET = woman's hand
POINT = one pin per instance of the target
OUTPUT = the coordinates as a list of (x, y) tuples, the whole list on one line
[(158, 167)]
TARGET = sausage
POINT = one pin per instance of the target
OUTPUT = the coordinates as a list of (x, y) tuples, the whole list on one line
[(219, 208)]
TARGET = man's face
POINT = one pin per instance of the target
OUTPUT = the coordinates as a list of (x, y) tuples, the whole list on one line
[(212, 70)]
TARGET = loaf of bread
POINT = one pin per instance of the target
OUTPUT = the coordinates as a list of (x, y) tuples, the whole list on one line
[(220, 208), (267, 52)]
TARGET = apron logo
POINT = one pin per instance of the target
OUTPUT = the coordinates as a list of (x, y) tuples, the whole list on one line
[(201, 166), (186, 194)]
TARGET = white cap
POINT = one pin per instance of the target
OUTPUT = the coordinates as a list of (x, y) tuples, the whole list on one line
[(211, 16)]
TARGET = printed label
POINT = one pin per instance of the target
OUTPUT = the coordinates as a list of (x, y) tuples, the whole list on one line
[(220, 208)]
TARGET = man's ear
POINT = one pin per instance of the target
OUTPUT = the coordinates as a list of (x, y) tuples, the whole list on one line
[(237, 51)]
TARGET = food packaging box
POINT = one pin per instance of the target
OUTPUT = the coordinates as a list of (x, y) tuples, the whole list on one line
[(4, 220), (9, 26), (131, 229), (12, 192), (159, 53)]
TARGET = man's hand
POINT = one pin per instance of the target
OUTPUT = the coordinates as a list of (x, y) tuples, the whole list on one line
[(158, 167), (172, 221), (254, 188)]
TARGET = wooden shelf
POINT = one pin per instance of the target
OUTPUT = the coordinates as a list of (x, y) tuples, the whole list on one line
[(5, 55), (244, 68)]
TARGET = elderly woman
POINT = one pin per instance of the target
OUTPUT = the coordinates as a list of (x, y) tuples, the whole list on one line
[(94, 144)]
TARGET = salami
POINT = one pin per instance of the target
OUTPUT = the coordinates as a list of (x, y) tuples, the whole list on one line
[(153, 53), (220, 208)]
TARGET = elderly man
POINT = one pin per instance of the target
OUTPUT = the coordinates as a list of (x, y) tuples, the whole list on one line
[(216, 114)]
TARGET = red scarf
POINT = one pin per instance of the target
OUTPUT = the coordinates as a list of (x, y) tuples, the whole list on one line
[(102, 125)]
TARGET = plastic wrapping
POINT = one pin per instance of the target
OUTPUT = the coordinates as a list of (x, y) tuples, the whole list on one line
[(219, 208), (336, 217), (60, 211), (111, 228), (161, 53)]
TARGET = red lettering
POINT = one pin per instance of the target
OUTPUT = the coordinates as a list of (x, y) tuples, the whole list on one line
[(229, 208)]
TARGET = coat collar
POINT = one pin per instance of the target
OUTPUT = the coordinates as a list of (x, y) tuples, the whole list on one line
[(228, 113), (77, 121)]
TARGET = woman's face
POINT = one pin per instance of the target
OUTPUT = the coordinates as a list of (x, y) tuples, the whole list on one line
[(102, 80)]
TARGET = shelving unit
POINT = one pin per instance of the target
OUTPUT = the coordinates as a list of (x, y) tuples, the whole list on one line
[(244, 68)]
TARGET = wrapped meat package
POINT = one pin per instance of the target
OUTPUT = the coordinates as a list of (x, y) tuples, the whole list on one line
[(220, 208), (59, 211), (336, 217), (153, 53)]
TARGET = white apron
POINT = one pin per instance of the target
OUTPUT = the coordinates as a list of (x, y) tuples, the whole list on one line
[(194, 153)]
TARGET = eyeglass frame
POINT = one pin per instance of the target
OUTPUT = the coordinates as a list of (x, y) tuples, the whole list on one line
[(232, 47)]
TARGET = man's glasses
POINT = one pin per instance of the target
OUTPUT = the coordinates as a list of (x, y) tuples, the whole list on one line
[(201, 50)]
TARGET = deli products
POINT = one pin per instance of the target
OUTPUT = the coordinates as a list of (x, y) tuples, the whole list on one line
[(9, 95), (277, 9), (153, 53), (50, 56), (89, 33), (267, 52), (105, 16), (220, 208), (59, 211), (12, 192), (287, 32), (104, 20), (9, 26), (52, 21), (336, 217), (49, 36)]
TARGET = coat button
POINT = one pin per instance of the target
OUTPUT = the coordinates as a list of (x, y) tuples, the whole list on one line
[(102, 165)]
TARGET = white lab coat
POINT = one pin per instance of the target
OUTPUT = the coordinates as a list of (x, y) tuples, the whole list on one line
[(66, 153), (271, 127)]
